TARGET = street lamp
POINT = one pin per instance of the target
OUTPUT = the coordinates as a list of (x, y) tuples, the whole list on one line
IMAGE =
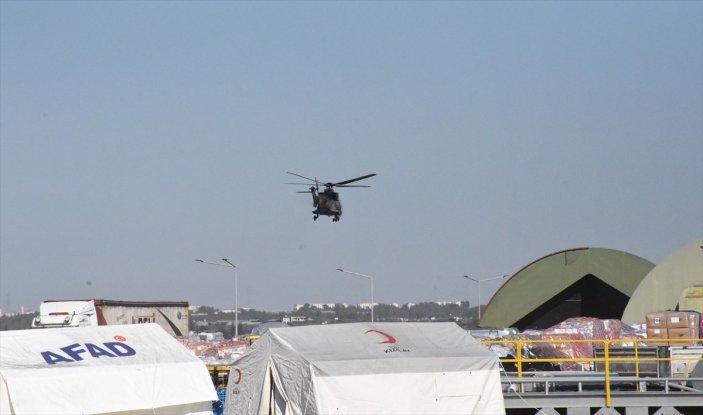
[(365, 276), (479, 289), (236, 294)]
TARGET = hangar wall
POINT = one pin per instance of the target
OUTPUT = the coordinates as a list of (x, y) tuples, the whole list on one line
[(661, 289), (596, 282)]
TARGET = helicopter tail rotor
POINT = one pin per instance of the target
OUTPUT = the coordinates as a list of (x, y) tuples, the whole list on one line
[(317, 184)]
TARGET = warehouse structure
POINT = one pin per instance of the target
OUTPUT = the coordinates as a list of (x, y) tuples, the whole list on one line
[(593, 282)]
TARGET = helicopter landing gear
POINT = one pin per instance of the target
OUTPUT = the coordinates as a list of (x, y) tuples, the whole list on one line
[(336, 218), (315, 217)]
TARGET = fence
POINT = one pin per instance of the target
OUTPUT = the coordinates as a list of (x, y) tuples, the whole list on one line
[(604, 360)]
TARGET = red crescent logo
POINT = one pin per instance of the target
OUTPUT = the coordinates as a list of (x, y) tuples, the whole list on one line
[(239, 376), (389, 339)]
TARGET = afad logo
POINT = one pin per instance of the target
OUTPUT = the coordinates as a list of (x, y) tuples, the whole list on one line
[(72, 353), (389, 340)]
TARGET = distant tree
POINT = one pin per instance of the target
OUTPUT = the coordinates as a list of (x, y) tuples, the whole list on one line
[(432, 311), (462, 313), (312, 313), (18, 322), (345, 314), (227, 331), (386, 312), (253, 314), (207, 309)]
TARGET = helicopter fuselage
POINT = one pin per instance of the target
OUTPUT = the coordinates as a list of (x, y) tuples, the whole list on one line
[(326, 203)]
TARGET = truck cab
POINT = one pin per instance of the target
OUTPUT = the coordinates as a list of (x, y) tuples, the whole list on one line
[(76, 313)]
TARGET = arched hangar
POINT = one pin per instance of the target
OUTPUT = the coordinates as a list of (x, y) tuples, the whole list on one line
[(676, 283), (579, 282)]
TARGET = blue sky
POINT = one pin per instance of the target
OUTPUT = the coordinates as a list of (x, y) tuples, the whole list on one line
[(138, 136)]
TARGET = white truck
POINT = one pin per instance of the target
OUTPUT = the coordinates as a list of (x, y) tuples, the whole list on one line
[(172, 316)]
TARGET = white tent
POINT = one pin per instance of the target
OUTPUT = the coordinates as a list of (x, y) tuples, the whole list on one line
[(121, 370), (366, 368)]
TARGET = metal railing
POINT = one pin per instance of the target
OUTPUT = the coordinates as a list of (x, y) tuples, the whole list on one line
[(637, 344)]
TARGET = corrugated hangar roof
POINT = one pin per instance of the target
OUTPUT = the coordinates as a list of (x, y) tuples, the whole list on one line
[(578, 282), (661, 289)]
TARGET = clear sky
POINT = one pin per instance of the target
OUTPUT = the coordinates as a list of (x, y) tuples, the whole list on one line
[(138, 136)]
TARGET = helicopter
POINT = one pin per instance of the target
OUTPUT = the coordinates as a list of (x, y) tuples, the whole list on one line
[(326, 202)]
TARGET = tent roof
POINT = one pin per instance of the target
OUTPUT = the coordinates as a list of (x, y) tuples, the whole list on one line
[(99, 369), (367, 368), (369, 341), (262, 328)]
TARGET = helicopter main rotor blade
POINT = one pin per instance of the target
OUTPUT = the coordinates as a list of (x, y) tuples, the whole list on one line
[(353, 180), (303, 177), (300, 184), (352, 185)]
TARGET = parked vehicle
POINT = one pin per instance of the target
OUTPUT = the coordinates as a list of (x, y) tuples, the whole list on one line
[(172, 316)]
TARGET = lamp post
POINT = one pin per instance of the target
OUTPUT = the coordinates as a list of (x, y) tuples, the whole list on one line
[(365, 276), (236, 293), (479, 289)]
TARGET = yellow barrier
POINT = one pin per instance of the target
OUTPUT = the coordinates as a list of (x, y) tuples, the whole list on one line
[(519, 360), (219, 375)]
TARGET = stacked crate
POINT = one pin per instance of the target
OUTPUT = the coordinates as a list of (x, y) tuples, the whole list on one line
[(675, 328), (656, 329), (684, 325)]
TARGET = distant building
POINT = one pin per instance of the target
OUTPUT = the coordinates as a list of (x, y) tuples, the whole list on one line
[(294, 319), (444, 303), (319, 306)]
